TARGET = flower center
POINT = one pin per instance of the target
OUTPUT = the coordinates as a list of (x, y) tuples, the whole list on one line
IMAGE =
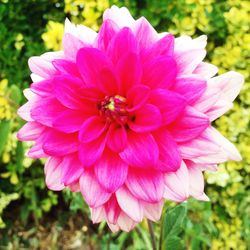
[(113, 108)]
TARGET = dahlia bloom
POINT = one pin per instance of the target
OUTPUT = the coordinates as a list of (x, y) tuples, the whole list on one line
[(125, 116)]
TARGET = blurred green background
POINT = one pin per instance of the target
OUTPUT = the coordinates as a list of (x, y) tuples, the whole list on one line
[(31, 216)]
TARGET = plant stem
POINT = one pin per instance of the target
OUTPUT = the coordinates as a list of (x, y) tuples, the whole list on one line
[(152, 235)]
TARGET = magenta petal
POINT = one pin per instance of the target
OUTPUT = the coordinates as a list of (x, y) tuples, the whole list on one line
[(53, 174), (106, 34), (42, 88), (68, 91), (69, 121), (159, 72), (91, 129), (45, 110), (141, 150), (146, 185), (129, 71), (122, 43), (30, 131), (72, 169), (91, 190), (90, 152), (137, 97), (145, 34), (189, 126), (146, 119), (112, 210), (111, 171), (117, 138), (170, 104), (169, 155), (66, 67), (90, 62), (163, 47), (191, 87), (59, 144)]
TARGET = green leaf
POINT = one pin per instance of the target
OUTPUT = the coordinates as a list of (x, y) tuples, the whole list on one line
[(172, 243), (15, 94), (173, 220), (4, 132)]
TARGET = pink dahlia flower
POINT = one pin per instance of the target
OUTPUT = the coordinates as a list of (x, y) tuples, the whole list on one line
[(124, 116)]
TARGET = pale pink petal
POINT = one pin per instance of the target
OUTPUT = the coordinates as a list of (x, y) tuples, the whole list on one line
[(178, 183), (112, 210), (30, 131), (206, 70), (91, 190), (152, 211), (146, 185), (53, 174), (97, 214), (120, 16), (125, 222), (129, 204)]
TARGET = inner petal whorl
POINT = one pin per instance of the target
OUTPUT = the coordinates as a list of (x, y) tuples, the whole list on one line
[(113, 109)]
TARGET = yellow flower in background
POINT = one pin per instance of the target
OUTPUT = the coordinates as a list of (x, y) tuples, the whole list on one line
[(53, 36), (5, 109)]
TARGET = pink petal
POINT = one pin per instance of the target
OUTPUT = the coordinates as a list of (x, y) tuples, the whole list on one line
[(190, 87), (145, 34), (163, 47), (117, 138), (30, 131), (66, 67), (42, 88), (72, 45), (59, 144), (141, 151), (206, 70), (91, 190), (90, 152), (120, 16), (189, 126), (41, 66), (97, 214), (53, 174), (169, 155), (159, 72), (106, 33), (188, 60), (129, 204), (125, 222), (129, 71), (112, 210), (196, 184), (111, 171), (72, 169), (145, 185), (45, 110), (62, 123), (146, 119), (90, 63), (170, 104), (178, 184), (152, 211), (123, 42), (91, 129), (137, 97)]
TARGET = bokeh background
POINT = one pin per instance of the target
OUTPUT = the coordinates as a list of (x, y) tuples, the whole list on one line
[(31, 216)]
